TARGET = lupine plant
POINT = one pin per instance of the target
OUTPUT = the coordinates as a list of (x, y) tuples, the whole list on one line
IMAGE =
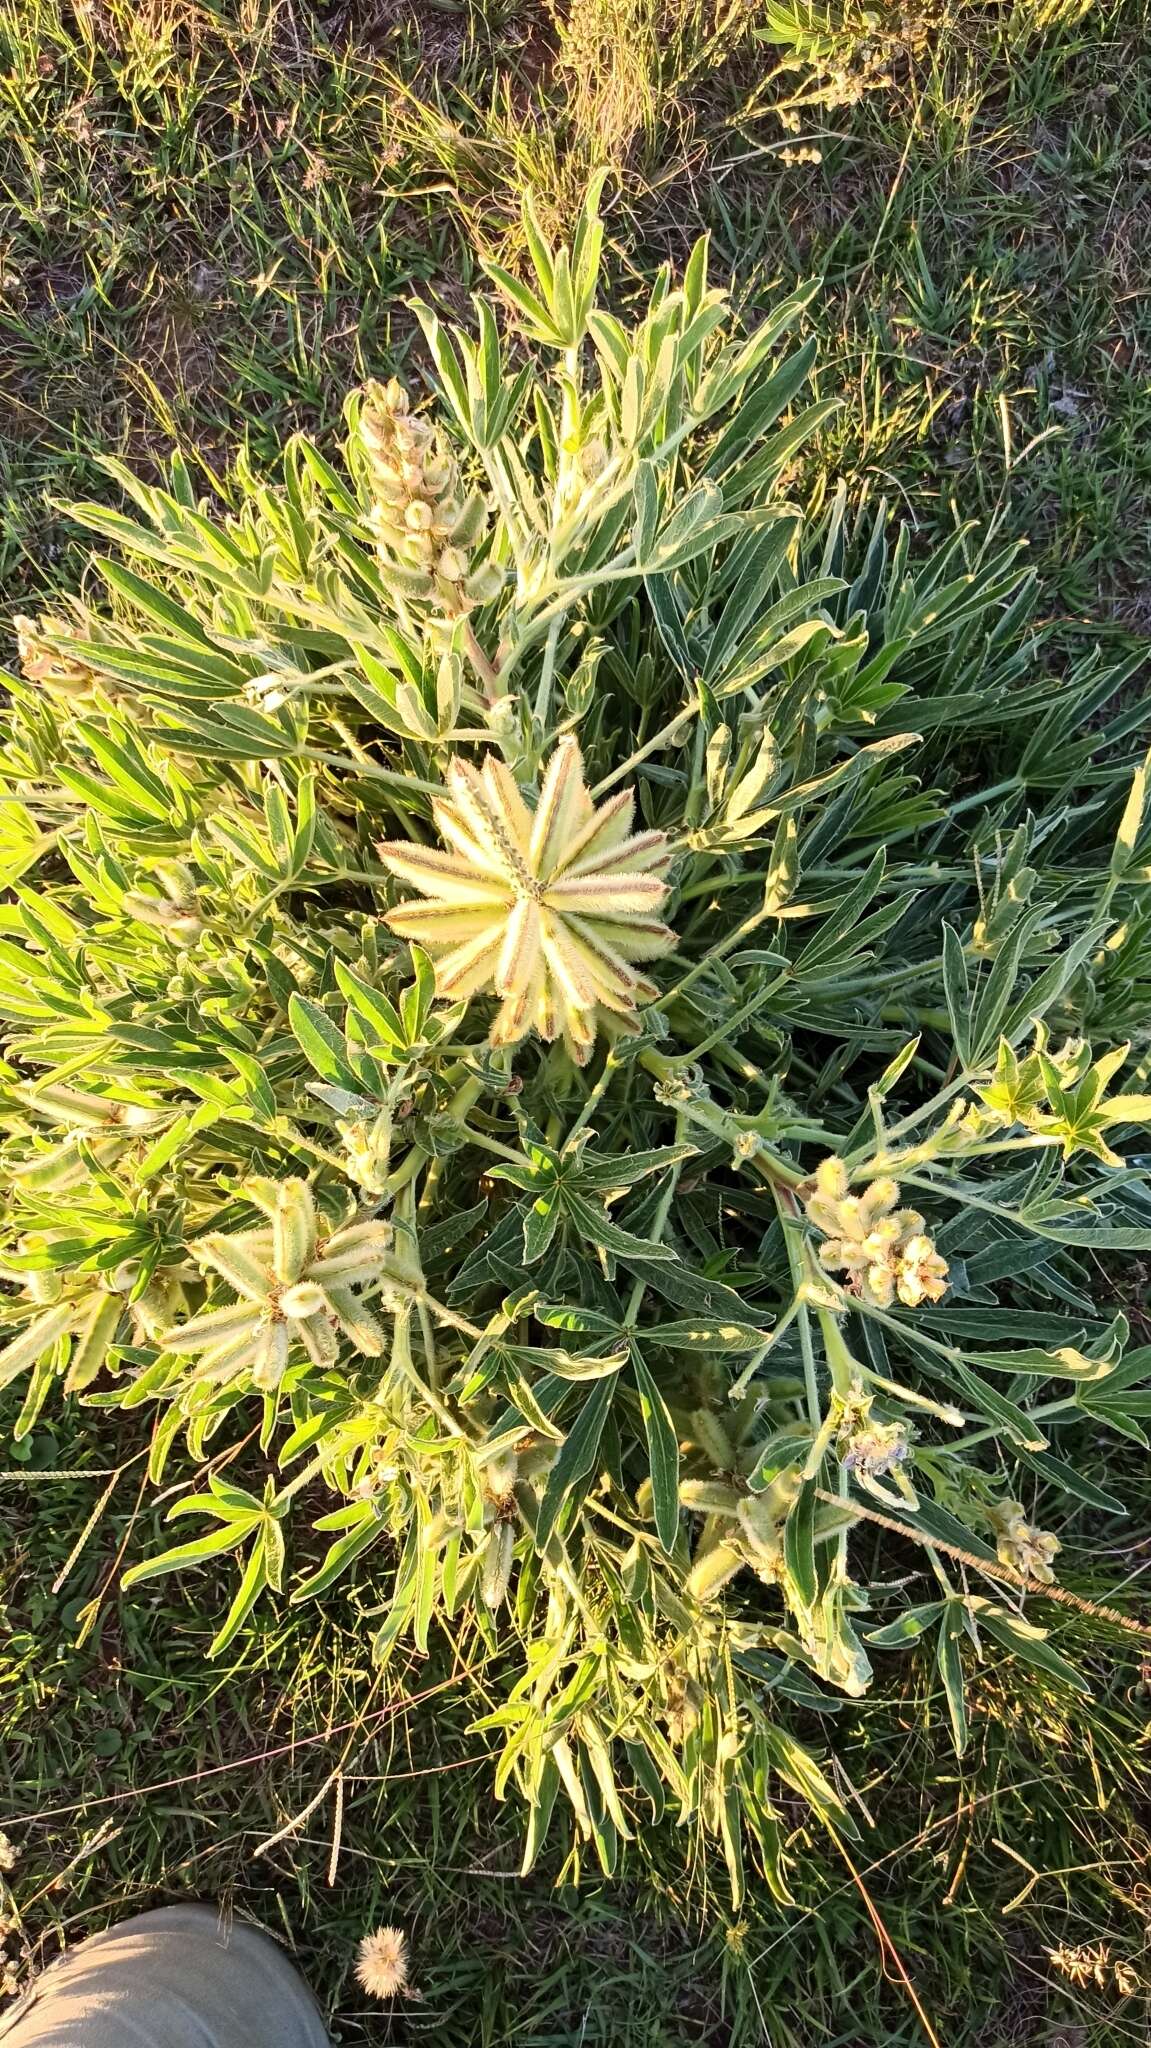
[(568, 1051)]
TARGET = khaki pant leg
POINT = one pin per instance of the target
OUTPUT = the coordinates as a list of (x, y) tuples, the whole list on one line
[(174, 1978)]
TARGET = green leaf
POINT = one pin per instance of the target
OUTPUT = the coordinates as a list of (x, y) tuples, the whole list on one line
[(1002, 1415), (128, 769), (252, 1584), (416, 1001), (646, 493), (1068, 1478), (367, 1530), (615, 1171), (799, 1544), (541, 1804), (704, 1334), (1026, 1642), (949, 1663), (565, 1365), (679, 1283), (663, 1453), (957, 994), (907, 1629), (215, 1544), (562, 1315), (798, 1768), (258, 1088), (1131, 823), (931, 1520), (747, 601), (373, 1008), (596, 1227), (576, 1461), (523, 1396), (1064, 1363), (540, 1224), (828, 942), (324, 1045)]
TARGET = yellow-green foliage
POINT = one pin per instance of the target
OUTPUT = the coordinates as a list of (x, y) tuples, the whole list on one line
[(549, 1003)]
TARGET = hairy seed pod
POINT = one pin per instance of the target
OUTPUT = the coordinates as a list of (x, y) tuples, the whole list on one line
[(44, 1287), (497, 1565), (712, 1437), (243, 1260), (91, 1340), (711, 1572), (293, 1229), (270, 1356), (357, 1321)]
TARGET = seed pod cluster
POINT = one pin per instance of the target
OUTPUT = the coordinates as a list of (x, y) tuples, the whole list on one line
[(884, 1250), (428, 526)]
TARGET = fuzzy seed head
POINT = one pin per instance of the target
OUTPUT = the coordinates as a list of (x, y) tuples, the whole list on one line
[(382, 1963)]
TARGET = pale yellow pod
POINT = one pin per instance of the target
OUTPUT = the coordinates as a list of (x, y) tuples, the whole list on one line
[(497, 1565), (293, 1229)]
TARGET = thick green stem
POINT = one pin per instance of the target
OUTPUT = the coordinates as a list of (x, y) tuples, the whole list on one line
[(839, 1358)]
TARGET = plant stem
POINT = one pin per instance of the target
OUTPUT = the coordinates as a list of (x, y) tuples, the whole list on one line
[(547, 674), (394, 776), (793, 1245), (721, 1123)]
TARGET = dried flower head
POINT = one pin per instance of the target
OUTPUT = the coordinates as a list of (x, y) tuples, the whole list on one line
[(367, 1150), (880, 1448), (549, 910), (872, 1449), (9, 1853), (382, 1963), (44, 661), (1085, 1964), (884, 1250)]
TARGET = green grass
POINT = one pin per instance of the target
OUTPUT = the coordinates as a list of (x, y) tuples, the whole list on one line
[(209, 225), (170, 1777)]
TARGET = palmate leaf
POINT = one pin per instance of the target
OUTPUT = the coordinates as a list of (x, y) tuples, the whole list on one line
[(243, 1519)]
